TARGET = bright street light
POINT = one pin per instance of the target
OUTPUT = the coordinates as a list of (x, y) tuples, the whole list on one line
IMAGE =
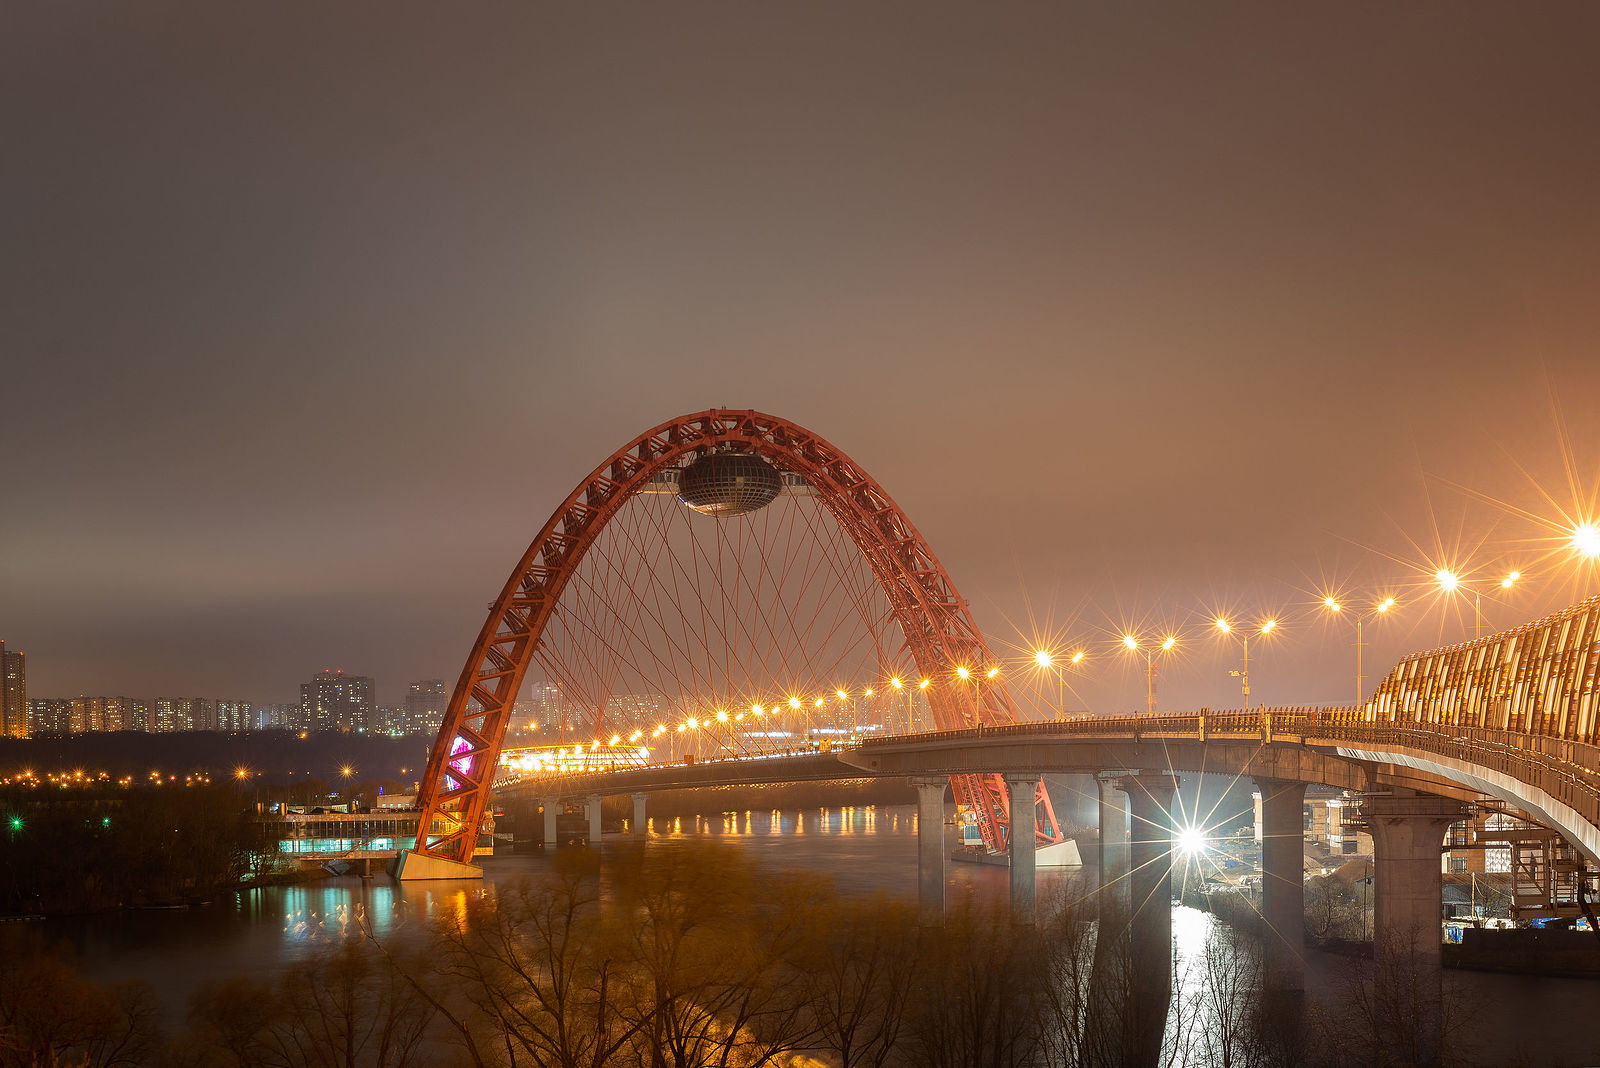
[(1191, 841), (1043, 658), (1586, 540)]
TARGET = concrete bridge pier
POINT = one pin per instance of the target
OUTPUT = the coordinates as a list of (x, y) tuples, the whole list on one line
[(1408, 832), (638, 815), (594, 821), (1283, 887), (930, 848), (1024, 790), (552, 809), (1150, 910), (1112, 848)]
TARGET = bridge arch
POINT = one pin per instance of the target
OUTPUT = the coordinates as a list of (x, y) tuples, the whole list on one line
[(939, 630)]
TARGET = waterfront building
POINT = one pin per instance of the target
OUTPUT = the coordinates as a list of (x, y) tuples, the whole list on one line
[(334, 701), (13, 693)]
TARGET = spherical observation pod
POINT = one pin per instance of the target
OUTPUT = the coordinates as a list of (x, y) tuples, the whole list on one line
[(726, 484), (938, 628)]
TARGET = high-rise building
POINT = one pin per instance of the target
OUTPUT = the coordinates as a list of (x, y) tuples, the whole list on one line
[(277, 717), (50, 716), (334, 701), (13, 694), (235, 716), (88, 714), (426, 702), (542, 706), (135, 713)]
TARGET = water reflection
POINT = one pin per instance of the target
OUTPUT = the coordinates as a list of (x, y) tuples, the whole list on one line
[(865, 849)]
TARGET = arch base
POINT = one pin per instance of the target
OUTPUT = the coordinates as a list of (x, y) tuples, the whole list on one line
[(411, 866)]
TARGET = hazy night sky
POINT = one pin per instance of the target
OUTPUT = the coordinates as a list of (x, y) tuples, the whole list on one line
[(311, 314)]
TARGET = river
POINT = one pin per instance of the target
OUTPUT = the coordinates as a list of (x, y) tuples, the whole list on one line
[(865, 849)]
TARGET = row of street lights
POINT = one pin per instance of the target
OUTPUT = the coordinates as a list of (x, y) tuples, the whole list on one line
[(1585, 541)]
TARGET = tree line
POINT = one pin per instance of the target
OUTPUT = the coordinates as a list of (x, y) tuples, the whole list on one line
[(91, 850)]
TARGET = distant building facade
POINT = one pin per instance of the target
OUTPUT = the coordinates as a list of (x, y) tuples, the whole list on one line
[(13, 693), (50, 716), (541, 707), (426, 702), (82, 714), (334, 701)]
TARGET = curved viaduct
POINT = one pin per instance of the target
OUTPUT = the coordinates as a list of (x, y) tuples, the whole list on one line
[(1329, 746)]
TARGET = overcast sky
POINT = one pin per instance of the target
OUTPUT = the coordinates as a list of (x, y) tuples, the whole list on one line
[(310, 314)]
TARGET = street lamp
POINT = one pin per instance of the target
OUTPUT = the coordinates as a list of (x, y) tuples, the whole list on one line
[(1449, 581), (1131, 643), (1586, 540), (1381, 608), (1046, 662), (1264, 629)]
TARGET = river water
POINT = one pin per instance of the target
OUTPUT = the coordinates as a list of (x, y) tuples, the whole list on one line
[(866, 850)]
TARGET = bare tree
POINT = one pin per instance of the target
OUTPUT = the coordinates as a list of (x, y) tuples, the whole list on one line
[(980, 1001), (711, 955), (343, 1009), (859, 972), (1230, 998)]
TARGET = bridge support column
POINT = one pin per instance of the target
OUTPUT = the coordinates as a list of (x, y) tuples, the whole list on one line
[(594, 821), (1150, 911), (638, 815), (1408, 831), (1112, 849), (1283, 888), (552, 809), (1024, 789), (930, 849)]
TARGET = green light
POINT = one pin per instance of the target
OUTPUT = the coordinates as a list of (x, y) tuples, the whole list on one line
[(105, 821), (16, 823)]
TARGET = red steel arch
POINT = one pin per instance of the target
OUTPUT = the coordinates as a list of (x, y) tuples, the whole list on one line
[(938, 627)]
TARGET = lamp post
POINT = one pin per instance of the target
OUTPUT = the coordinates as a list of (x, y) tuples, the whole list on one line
[(1131, 643), (1243, 675), (1449, 581), (1381, 608)]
